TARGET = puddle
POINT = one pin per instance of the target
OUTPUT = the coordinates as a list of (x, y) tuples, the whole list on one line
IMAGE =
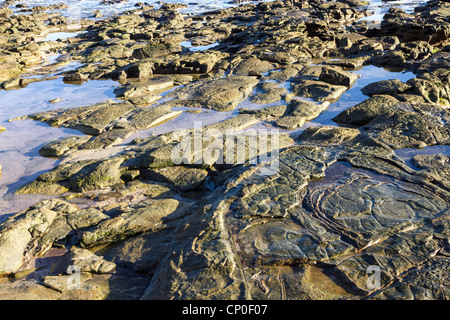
[(60, 36), (337, 170), (188, 44)]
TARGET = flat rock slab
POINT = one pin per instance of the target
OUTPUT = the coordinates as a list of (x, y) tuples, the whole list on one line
[(317, 90), (222, 94), (91, 120)]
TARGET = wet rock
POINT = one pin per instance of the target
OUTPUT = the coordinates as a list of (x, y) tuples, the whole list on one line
[(82, 260), (182, 178), (157, 48), (299, 112), (385, 87), (91, 120), (144, 87), (60, 147), (337, 77), (318, 90), (252, 67), (271, 92)]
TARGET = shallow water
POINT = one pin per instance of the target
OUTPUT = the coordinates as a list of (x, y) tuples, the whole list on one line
[(406, 154), (60, 36), (20, 143)]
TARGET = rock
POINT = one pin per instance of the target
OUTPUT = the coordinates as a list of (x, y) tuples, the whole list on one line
[(317, 90), (141, 69), (157, 48), (271, 92), (8, 70), (22, 234), (267, 112), (365, 111), (328, 135), (105, 139), (85, 218), (144, 118), (395, 58), (78, 176), (84, 261), (337, 77), (26, 290), (144, 216), (252, 67), (426, 89), (190, 63), (182, 178), (399, 125), (221, 94), (60, 147), (145, 87), (75, 76), (91, 120), (306, 222), (299, 112), (385, 87)]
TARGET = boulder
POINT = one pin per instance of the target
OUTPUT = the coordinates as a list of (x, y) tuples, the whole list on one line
[(385, 87)]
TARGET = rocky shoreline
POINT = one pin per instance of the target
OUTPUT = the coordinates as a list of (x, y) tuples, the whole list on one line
[(126, 222)]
